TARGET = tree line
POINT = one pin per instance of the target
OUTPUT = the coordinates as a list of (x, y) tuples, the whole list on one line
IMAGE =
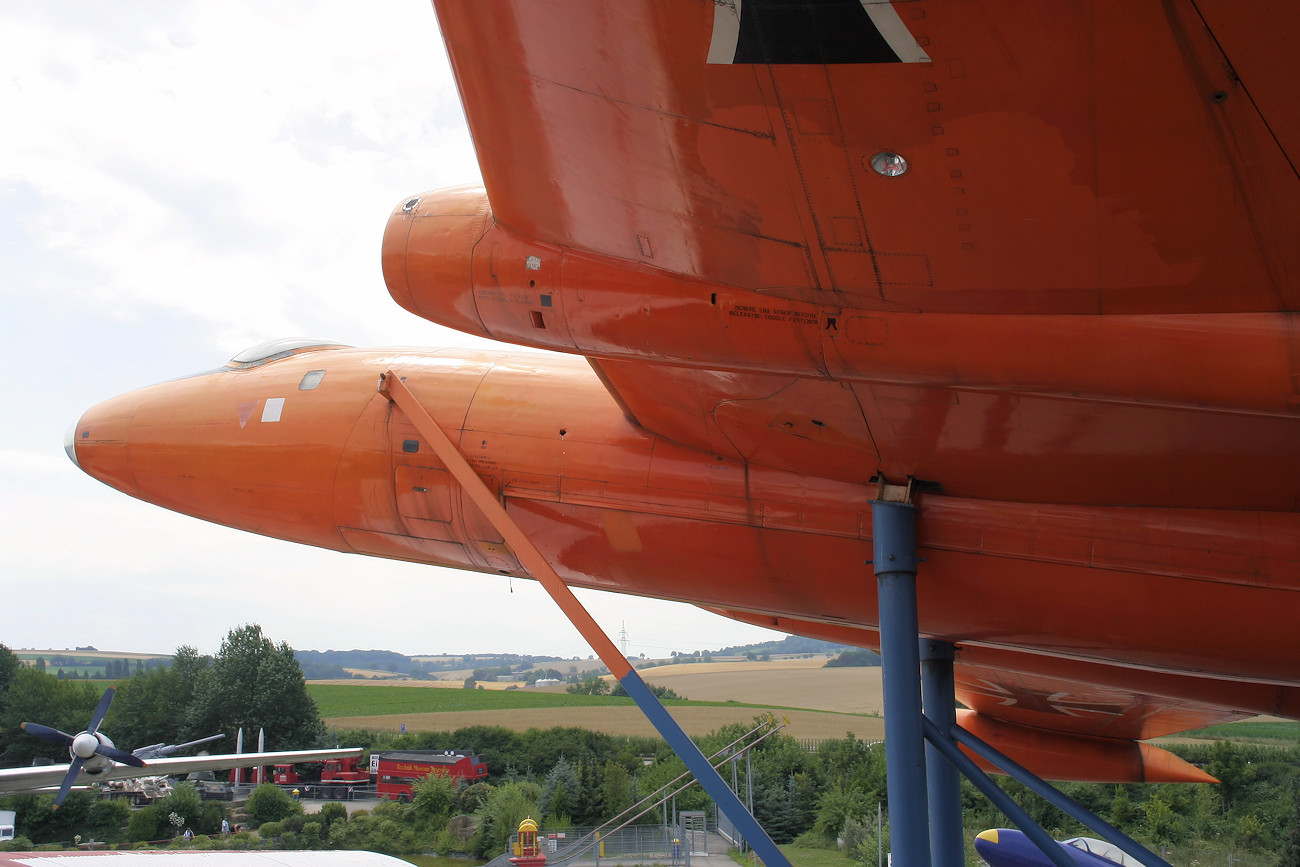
[(573, 777), (252, 683)]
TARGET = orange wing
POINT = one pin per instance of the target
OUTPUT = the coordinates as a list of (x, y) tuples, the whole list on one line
[(1099, 157)]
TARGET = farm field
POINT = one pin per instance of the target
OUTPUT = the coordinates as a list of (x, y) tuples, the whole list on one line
[(819, 702), (796, 683), (786, 683), (694, 719), (89, 664)]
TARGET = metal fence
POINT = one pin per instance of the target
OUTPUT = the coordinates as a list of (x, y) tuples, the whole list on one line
[(634, 844)]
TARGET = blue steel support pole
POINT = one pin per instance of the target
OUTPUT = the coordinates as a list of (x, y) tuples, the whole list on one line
[(943, 782), (894, 561)]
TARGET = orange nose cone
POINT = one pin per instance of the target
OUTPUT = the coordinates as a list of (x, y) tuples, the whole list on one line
[(98, 441), (428, 255)]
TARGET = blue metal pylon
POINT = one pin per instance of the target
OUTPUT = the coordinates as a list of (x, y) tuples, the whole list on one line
[(894, 561), (939, 702), (923, 762)]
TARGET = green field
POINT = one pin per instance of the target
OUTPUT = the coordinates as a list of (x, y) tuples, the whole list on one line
[(1251, 730), (335, 700), (338, 700)]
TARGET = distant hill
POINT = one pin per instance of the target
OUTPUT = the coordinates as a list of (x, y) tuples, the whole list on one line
[(334, 664), (337, 664), (791, 644)]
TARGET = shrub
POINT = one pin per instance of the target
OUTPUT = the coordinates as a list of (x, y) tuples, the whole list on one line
[(270, 803), (144, 824), (332, 812), (108, 816)]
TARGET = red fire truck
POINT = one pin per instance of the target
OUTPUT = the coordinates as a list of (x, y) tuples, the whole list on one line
[(391, 774), (336, 779)]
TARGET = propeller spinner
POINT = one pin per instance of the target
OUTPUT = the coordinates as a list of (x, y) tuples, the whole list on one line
[(88, 749)]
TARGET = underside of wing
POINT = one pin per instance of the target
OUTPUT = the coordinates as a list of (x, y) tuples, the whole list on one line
[(944, 156)]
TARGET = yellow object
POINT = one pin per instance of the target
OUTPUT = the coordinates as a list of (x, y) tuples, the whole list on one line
[(526, 845)]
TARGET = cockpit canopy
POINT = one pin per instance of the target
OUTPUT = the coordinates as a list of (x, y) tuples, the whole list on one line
[(273, 350)]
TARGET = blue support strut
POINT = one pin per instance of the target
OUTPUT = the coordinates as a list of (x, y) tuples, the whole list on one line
[(705, 775), (894, 561), (1000, 799), (1056, 797), (943, 782)]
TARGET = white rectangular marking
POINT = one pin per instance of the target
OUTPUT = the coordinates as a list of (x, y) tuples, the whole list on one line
[(274, 406)]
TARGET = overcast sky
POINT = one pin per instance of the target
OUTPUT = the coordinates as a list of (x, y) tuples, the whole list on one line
[(180, 181)]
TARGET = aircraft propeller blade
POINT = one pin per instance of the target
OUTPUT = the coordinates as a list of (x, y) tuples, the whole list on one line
[(121, 756), (46, 733), (68, 779), (100, 710)]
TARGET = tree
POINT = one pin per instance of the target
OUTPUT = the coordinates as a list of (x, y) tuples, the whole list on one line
[(254, 683), (433, 797), (660, 692), (188, 666), (615, 789), (107, 818), (594, 685), (9, 665), (559, 793), (145, 824), (1162, 822), (854, 658), (185, 803), (146, 710), (1290, 856), (270, 803), (36, 696), (500, 815)]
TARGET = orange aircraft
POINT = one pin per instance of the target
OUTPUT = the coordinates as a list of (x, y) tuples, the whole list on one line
[(1034, 266)]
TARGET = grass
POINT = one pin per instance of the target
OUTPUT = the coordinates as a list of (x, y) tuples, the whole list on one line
[(801, 856), (1253, 730), (337, 700)]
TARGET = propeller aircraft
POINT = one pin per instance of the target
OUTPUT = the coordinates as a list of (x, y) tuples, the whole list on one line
[(95, 758)]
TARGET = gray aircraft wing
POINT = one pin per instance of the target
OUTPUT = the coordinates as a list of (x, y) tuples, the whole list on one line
[(16, 781)]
